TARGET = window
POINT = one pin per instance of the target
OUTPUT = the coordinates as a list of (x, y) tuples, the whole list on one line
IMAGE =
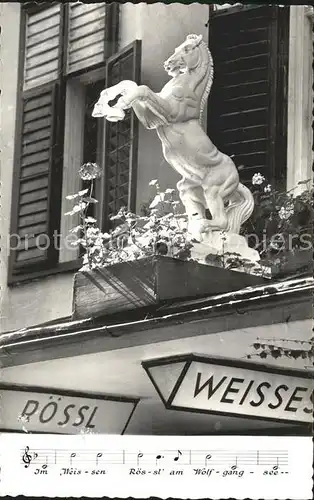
[(67, 56), (247, 113)]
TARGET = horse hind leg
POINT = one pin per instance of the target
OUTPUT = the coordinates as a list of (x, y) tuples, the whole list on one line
[(216, 196), (193, 199), (215, 204)]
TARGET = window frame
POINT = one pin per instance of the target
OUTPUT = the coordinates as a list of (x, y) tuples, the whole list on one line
[(104, 213), (51, 265)]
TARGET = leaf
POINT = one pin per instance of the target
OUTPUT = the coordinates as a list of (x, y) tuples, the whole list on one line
[(153, 182), (304, 182), (90, 220), (170, 191), (276, 353), (158, 198), (296, 353), (84, 191), (76, 229), (75, 243), (79, 208), (72, 196), (75, 210), (89, 199)]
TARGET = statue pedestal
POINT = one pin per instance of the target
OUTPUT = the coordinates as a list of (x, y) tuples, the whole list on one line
[(231, 250)]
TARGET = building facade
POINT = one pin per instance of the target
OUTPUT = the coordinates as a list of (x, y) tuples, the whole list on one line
[(56, 58)]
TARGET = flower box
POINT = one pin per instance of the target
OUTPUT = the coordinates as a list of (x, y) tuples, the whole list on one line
[(148, 281), (301, 261)]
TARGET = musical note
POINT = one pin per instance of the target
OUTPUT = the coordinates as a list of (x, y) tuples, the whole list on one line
[(139, 455), (99, 455), (158, 457), (178, 456), (73, 455), (208, 457)]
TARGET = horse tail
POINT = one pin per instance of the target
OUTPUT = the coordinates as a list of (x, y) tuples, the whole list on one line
[(240, 208)]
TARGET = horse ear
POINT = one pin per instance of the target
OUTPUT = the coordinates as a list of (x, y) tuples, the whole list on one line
[(196, 38)]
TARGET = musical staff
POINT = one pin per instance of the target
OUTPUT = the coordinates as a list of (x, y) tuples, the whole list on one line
[(28, 457), (199, 458), (163, 466)]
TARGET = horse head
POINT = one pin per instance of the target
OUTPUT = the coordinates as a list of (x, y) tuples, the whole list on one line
[(186, 57)]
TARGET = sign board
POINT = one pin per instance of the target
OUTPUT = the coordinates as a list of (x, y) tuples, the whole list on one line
[(62, 412), (235, 388)]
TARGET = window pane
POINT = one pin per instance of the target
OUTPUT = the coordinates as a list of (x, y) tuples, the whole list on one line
[(81, 145)]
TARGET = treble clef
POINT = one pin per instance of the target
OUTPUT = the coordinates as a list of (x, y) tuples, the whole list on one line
[(27, 457)]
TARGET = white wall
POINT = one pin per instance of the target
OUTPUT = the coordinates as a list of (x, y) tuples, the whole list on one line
[(161, 28)]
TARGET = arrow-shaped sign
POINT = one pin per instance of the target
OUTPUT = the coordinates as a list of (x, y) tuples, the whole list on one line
[(222, 386)]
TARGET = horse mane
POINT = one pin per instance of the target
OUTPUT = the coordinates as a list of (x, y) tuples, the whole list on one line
[(209, 82)]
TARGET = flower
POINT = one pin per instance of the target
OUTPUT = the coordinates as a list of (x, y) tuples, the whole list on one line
[(89, 171), (158, 199), (258, 179), (267, 189), (286, 212)]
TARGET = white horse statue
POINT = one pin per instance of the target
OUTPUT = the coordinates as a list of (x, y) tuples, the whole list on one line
[(210, 179)]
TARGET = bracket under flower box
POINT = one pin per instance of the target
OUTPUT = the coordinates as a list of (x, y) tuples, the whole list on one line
[(148, 281)]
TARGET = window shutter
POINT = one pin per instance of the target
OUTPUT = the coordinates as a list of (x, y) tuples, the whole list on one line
[(247, 104), (33, 196), (121, 138), (42, 46), (87, 35)]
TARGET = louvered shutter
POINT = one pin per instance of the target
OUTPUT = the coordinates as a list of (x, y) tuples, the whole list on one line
[(87, 37), (42, 46), (247, 104), (33, 196), (121, 138)]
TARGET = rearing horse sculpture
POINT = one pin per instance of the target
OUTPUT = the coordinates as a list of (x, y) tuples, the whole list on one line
[(210, 179)]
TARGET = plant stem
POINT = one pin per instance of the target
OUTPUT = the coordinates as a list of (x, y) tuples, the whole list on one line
[(85, 225)]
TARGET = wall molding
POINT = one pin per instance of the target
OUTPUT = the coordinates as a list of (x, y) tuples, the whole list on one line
[(300, 95)]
